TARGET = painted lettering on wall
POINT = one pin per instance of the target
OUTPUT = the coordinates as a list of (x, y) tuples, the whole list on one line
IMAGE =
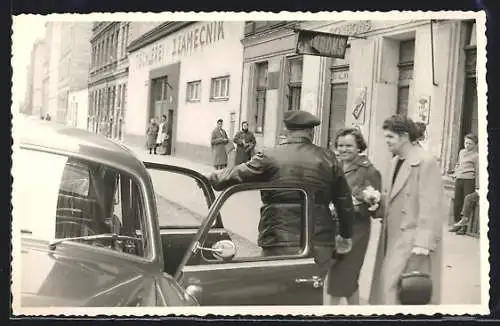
[(183, 44), (199, 37)]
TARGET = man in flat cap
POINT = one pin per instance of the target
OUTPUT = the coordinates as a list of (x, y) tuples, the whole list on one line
[(296, 159)]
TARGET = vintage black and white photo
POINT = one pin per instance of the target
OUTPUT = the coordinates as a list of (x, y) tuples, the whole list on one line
[(330, 163)]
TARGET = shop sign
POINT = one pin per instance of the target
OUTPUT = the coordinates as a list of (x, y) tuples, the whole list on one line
[(340, 76), (423, 109), (359, 108), (354, 28), (321, 44), (182, 44)]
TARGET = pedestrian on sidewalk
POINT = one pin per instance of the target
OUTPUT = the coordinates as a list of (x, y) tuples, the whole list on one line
[(281, 222), (412, 227), (151, 135), (466, 176), (361, 175), (162, 137), (245, 144), (219, 142)]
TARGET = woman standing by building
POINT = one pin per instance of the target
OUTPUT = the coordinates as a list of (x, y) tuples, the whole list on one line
[(466, 178), (151, 135), (362, 177), (162, 135)]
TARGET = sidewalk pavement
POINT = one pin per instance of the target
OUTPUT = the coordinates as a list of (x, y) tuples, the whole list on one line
[(461, 254)]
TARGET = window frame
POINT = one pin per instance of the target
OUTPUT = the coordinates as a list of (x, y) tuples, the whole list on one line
[(190, 86), (213, 88), (228, 193), (261, 90)]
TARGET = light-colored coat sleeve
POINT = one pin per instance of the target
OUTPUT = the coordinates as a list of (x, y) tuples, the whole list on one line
[(430, 212)]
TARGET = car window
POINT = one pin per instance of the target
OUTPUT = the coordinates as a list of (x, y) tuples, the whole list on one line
[(76, 179), (61, 205), (180, 200), (262, 224), (35, 191)]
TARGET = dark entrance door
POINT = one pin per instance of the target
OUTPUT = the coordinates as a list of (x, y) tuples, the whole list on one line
[(338, 105)]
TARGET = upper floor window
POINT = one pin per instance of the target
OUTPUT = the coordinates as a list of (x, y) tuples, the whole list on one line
[(193, 91), (405, 65), (294, 83), (219, 89)]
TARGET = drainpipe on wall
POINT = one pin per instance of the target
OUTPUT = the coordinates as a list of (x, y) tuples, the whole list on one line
[(241, 89)]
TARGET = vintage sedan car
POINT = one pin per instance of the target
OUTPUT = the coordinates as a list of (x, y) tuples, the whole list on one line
[(100, 227)]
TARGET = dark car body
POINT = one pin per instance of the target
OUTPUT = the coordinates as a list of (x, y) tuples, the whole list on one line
[(175, 271)]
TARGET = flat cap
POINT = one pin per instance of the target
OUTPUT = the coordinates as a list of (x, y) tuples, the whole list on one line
[(300, 120)]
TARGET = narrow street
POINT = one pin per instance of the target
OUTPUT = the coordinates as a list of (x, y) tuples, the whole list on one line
[(461, 260)]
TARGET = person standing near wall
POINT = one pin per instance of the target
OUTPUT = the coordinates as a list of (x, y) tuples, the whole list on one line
[(151, 135), (245, 144), (218, 141), (466, 176)]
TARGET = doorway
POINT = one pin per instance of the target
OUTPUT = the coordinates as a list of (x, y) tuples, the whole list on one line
[(338, 106), (161, 93)]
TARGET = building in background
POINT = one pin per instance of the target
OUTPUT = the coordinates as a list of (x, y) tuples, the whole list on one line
[(74, 63), (191, 72), (51, 83), (416, 67), (77, 115), (28, 92), (38, 56), (107, 82)]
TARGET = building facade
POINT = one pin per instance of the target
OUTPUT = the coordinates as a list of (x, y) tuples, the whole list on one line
[(28, 92), (53, 39), (39, 53), (422, 68), (78, 108), (73, 66), (107, 82), (190, 72)]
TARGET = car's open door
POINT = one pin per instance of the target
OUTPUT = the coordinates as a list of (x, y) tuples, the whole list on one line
[(183, 198), (239, 272)]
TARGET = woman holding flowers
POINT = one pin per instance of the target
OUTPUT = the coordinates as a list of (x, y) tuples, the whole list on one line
[(365, 182)]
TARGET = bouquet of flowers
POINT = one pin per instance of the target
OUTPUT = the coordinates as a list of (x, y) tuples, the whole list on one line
[(371, 196)]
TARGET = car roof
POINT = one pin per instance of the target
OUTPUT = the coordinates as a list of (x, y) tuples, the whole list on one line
[(55, 137)]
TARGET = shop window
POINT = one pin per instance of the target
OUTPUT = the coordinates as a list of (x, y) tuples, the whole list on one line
[(405, 65), (193, 91), (260, 98), (294, 83), (219, 89)]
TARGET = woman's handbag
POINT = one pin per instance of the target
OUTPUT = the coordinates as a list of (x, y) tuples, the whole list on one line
[(415, 283)]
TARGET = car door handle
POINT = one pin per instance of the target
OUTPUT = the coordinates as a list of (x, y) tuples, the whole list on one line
[(316, 281)]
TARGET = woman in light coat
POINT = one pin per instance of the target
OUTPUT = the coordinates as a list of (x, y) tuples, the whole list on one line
[(414, 213)]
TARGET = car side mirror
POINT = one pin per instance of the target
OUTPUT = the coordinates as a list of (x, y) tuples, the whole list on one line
[(221, 250)]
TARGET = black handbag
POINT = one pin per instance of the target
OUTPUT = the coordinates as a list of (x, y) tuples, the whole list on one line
[(415, 283)]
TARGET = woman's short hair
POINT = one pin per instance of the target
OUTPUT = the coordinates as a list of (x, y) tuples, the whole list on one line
[(356, 133), (219, 120), (401, 124), (244, 123), (472, 137)]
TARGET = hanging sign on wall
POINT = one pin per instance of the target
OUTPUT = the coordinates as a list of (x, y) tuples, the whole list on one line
[(321, 44)]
